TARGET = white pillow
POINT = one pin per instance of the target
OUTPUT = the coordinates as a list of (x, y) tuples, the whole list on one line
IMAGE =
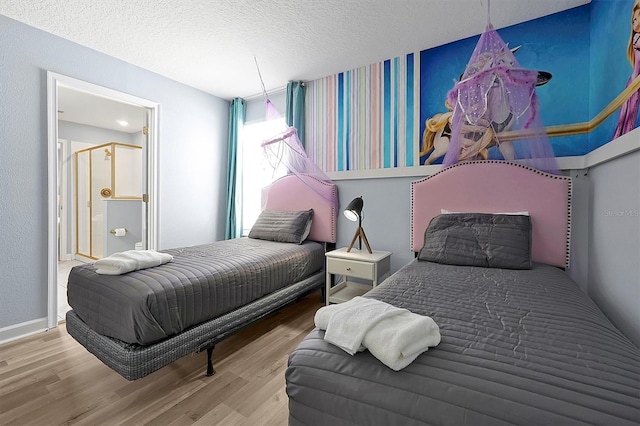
[(443, 211)]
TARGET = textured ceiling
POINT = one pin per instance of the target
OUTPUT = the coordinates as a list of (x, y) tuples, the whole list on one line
[(211, 44)]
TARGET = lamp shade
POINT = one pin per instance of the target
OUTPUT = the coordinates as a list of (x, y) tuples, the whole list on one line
[(354, 210)]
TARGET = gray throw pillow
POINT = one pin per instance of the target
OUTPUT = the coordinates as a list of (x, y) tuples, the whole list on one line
[(479, 239), (282, 226)]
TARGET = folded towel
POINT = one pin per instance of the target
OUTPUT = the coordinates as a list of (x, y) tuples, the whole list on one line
[(398, 340), (130, 260), (393, 335), (347, 323)]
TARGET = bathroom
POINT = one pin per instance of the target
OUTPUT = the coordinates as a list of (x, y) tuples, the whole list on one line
[(101, 180)]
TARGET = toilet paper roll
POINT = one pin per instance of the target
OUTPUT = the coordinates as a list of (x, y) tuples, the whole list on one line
[(120, 232)]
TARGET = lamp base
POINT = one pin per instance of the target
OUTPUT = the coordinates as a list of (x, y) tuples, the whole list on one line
[(361, 236)]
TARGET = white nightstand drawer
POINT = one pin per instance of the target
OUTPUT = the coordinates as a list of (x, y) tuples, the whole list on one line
[(351, 268)]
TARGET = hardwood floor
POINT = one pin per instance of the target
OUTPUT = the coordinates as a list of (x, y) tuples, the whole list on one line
[(50, 379)]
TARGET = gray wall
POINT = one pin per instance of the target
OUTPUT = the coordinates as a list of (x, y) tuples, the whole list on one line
[(192, 157), (386, 219), (614, 241), (121, 214)]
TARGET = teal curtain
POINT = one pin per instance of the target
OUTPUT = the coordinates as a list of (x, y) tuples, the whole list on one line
[(234, 189), (294, 107)]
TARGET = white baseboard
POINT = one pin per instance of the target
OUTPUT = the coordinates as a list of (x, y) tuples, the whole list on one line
[(18, 331)]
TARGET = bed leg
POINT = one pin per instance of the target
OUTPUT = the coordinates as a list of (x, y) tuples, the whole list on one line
[(210, 370)]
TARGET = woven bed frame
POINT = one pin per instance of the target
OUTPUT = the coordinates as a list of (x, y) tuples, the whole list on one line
[(134, 361)]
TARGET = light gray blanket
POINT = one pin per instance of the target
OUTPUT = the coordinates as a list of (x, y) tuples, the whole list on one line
[(518, 347), (200, 283)]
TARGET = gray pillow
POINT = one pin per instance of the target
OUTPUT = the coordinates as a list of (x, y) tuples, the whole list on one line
[(282, 226), (479, 239)]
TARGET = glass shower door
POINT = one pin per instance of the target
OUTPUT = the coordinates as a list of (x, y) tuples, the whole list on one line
[(107, 173), (93, 178), (83, 202)]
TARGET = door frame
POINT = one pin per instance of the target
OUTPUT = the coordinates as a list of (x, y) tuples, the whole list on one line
[(55, 80), (63, 149)]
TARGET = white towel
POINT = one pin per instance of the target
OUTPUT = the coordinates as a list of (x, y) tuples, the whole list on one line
[(130, 260), (398, 340), (393, 335), (347, 323)]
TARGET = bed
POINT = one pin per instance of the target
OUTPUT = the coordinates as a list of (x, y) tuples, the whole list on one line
[(518, 346), (138, 322)]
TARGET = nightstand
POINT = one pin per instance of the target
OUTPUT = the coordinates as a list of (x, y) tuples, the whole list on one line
[(357, 264)]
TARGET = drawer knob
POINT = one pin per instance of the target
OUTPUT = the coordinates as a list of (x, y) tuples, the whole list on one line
[(348, 269)]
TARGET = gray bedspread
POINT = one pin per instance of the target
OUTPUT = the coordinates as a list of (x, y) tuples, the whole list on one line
[(201, 283), (518, 347)]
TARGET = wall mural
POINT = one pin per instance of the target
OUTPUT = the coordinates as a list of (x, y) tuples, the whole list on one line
[(365, 118), (394, 113), (494, 112), (627, 120)]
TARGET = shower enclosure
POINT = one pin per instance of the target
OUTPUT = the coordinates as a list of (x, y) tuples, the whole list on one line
[(108, 182)]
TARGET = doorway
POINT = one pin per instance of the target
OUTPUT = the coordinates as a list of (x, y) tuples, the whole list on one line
[(84, 117)]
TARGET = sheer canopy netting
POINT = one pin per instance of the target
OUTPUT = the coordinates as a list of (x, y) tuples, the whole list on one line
[(495, 110), (285, 154)]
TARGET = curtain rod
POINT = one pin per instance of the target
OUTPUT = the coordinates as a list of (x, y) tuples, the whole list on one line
[(261, 95), (275, 91)]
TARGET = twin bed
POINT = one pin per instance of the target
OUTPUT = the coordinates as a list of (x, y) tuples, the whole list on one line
[(521, 343), (143, 320)]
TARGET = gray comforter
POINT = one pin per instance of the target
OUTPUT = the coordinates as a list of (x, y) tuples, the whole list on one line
[(518, 347), (201, 283)]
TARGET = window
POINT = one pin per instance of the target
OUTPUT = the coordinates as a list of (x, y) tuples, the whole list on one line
[(255, 173)]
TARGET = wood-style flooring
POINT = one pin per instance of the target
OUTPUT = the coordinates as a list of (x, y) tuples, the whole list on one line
[(50, 379)]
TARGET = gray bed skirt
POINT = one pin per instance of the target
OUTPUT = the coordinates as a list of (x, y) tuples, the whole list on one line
[(135, 361)]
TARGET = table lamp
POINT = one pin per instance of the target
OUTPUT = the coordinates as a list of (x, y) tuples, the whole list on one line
[(353, 212)]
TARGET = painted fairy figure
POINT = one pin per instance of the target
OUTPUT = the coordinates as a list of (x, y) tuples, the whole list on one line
[(629, 110)]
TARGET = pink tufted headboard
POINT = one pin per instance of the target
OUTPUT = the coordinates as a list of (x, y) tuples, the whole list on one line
[(289, 193), (494, 187)]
